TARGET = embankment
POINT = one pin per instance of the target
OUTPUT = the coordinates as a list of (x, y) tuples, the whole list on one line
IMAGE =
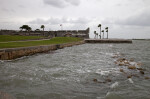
[(13, 53), (108, 41)]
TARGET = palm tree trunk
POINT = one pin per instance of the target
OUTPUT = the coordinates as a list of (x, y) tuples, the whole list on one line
[(107, 35), (100, 32), (103, 35)]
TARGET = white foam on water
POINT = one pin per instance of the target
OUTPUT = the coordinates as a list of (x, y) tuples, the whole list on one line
[(107, 72), (30, 79), (133, 63), (62, 78), (1, 61), (114, 85), (13, 76), (80, 71), (102, 72), (130, 80), (109, 54), (108, 93), (88, 71), (110, 45)]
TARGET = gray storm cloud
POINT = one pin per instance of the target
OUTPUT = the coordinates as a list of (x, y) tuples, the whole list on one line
[(78, 14), (61, 3), (139, 19), (64, 20)]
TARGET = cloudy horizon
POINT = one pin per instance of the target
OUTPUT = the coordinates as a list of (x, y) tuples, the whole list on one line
[(125, 18)]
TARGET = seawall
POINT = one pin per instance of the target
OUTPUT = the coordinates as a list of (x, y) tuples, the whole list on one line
[(108, 41), (13, 53)]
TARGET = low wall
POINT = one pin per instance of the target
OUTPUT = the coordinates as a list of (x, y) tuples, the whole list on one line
[(108, 41), (13, 53), (59, 33)]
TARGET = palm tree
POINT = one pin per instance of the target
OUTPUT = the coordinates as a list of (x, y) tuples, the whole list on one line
[(100, 29), (42, 27), (95, 34), (107, 31), (103, 33)]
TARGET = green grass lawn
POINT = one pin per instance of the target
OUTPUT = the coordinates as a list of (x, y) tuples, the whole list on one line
[(6, 38), (57, 40)]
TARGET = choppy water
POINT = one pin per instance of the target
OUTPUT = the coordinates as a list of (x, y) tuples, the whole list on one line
[(68, 73)]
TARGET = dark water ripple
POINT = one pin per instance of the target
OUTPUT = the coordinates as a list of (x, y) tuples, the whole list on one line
[(68, 73)]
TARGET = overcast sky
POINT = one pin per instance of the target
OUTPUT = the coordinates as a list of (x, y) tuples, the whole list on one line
[(125, 18)]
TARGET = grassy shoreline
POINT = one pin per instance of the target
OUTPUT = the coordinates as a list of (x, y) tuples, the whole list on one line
[(57, 40), (7, 38)]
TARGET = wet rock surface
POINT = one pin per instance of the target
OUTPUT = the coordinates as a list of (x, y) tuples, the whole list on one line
[(129, 64)]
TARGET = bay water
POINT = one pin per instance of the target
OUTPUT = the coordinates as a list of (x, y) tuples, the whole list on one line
[(79, 72)]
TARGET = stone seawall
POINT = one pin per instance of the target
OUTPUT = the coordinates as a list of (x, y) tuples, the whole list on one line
[(108, 41), (13, 53)]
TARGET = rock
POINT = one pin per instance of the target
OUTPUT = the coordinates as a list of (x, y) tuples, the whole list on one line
[(139, 64), (115, 62), (95, 80), (147, 77), (131, 67), (126, 62), (121, 59), (142, 72), (131, 60), (120, 64), (108, 80), (139, 69), (115, 56), (129, 76), (121, 70)]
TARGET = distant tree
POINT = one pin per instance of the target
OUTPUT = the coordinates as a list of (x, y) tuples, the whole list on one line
[(42, 27), (37, 30), (100, 29), (107, 31), (29, 28), (95, 34), (103, 33), (21, 28), (26, 27)]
